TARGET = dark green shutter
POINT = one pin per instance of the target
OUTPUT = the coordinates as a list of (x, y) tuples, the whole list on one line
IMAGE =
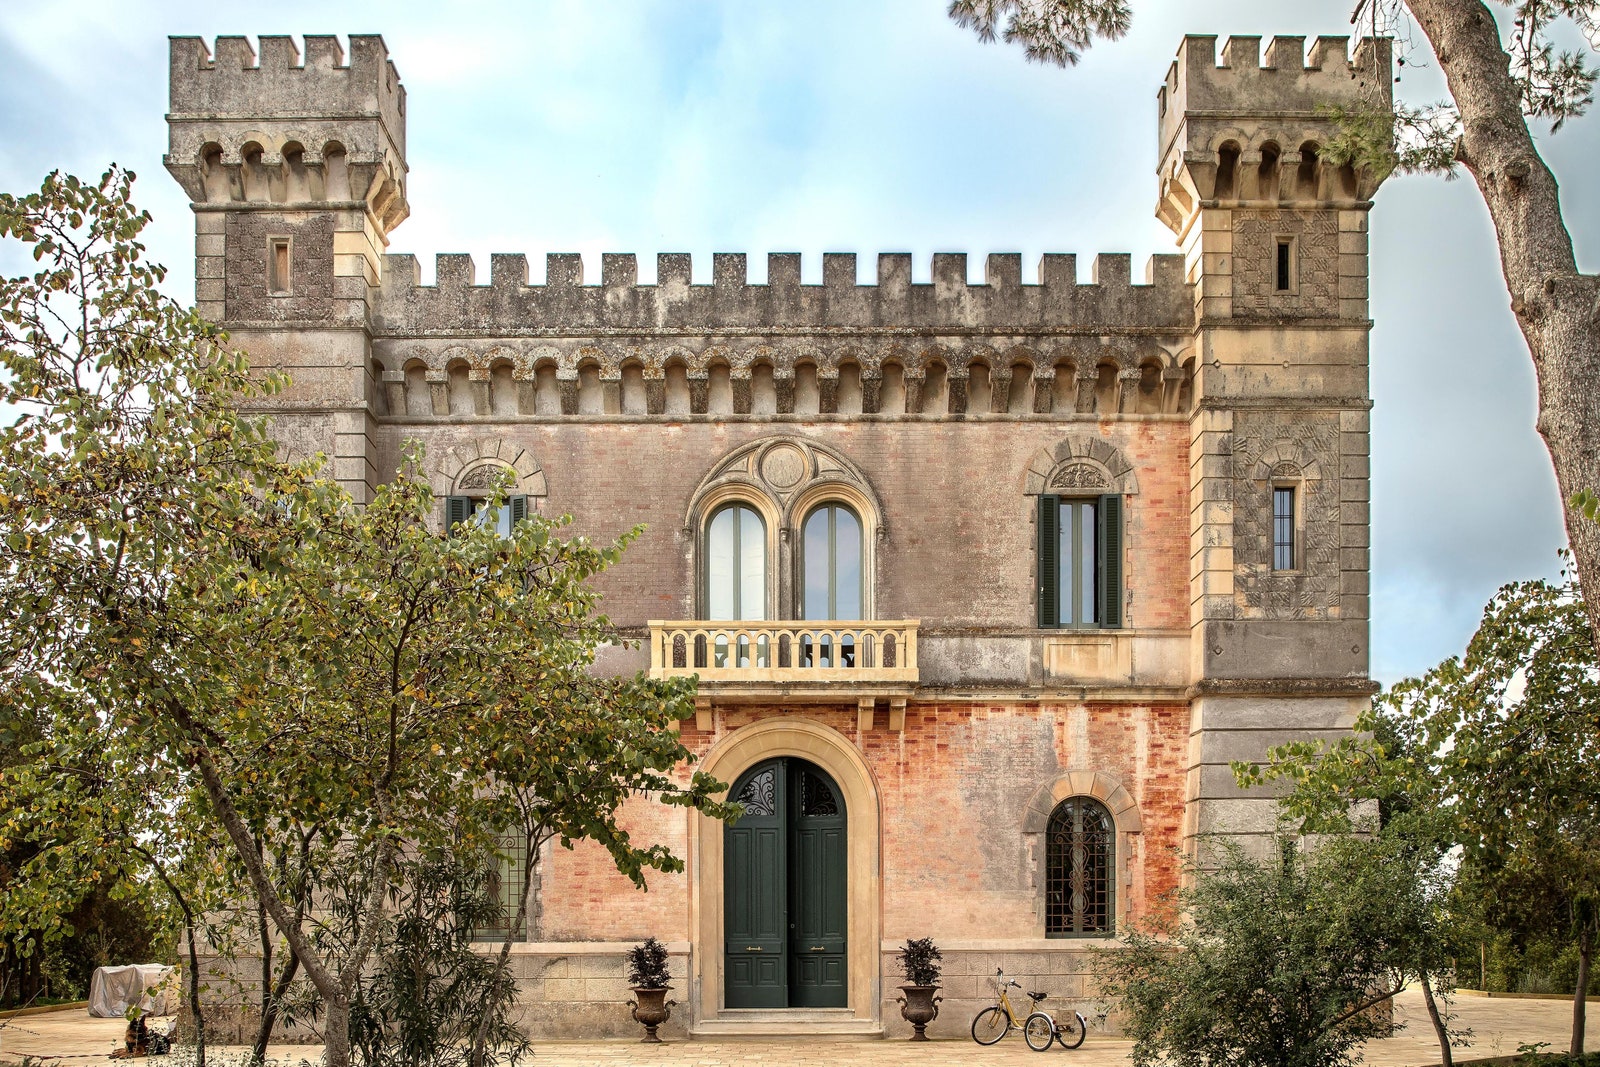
[(519, 509), (456, 510), (1049, 559), (1110, 561)]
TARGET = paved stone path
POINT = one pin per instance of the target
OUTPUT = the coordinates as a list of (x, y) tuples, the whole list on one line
[(71, 1039)]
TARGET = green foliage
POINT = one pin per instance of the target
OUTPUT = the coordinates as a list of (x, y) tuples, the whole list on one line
[(226, 668), (1491, 753), (1056, 32), (1280, 961), (430, 993), (919, 961), (647, 965)]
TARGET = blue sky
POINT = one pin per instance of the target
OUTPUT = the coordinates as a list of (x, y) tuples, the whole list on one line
[(662, 125)]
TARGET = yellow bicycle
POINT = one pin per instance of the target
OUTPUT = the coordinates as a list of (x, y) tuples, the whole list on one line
[(993, 1023)]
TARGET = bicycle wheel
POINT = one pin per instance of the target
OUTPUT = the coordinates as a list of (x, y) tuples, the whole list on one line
[(990, 1025), (1038, 1031), (1071, 1031)]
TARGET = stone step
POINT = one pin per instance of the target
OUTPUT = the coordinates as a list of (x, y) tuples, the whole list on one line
[(812, 1024)]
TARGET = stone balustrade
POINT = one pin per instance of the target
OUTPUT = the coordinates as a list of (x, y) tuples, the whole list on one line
[(836, 651)]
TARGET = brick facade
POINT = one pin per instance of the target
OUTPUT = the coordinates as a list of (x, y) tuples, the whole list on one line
[(939, 412)]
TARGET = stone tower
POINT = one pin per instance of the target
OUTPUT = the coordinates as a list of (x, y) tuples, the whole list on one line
[(297, 174), (1275, 245)]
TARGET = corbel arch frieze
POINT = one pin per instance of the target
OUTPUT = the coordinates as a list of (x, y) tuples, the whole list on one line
[(1073, 464)]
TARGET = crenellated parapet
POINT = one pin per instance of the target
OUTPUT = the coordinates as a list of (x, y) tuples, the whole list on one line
[(279, 129), (1249, 129), (457, 305), (941, 348)]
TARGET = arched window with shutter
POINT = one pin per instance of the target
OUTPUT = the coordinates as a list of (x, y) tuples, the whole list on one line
[(1080, 858)]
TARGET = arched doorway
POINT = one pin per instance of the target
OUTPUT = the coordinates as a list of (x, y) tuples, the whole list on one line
[(785, 890)]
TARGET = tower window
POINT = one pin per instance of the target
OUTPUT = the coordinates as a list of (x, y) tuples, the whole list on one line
[(278, 265), (1283, 529), (1285, 265)]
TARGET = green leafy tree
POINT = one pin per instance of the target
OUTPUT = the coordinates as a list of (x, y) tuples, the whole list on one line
[(292, 663), (1494, 752), (1278, 961), (1497, 88)]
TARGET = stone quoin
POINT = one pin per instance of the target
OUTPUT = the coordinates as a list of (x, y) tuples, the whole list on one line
[(985, 583)]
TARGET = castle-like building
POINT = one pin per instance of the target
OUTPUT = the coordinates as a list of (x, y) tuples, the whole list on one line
[(985, 584)]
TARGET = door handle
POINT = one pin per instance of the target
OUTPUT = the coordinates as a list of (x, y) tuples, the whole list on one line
[(753, 948), (819, 948)]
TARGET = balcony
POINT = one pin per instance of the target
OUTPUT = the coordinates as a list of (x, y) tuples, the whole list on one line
[(760, 659)]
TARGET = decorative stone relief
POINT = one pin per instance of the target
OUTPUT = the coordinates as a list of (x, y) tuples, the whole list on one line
[(1079, 475), (1080, 463), (468, 468), (1294, 448), (785, 468), (1255, 237)]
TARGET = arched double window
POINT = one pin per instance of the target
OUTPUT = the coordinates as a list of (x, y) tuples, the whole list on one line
[(784, 532), (1080, 858), (831, 571), (736, 564)]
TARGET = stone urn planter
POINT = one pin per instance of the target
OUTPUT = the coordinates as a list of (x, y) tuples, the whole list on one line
[(919, 1007), (919, 962), (651, 1008), (648, 976)]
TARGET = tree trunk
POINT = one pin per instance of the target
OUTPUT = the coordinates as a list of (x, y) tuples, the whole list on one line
[(1439, 1029), (194, 954), (336, 1032), (269, 1009), (1581, 994), (1555, 305)]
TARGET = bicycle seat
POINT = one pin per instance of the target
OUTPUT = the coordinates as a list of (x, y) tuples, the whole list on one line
[(1036, 997)]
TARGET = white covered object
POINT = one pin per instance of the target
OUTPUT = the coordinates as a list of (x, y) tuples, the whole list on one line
[(149, 985)]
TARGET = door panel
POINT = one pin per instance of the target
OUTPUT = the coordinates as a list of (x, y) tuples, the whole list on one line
[(817, 888), (754, 896), (785, 904)]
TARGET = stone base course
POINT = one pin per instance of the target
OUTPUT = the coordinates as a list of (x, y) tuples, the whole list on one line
[(72, 1038)]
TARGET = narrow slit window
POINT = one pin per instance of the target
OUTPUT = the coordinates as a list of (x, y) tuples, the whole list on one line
[(278, 264), (1283, 528), (1285, 265)]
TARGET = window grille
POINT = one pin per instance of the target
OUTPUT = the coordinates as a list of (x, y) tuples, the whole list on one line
[(1283, 529), (1079, 854), (506, 885)]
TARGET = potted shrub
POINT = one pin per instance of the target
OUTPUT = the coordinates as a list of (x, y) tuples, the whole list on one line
[(649, 977), (919, 962)]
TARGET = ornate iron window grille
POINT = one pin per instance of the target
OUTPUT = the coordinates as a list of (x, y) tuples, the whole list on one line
[(1079, 854)]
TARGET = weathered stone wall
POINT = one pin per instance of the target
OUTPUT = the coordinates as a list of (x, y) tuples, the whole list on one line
[(953, 499)]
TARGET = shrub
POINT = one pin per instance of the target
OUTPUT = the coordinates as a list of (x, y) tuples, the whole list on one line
[(919, 961), (647, 965)]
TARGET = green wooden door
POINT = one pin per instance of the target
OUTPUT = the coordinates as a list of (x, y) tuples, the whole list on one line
[(817, 887), (784, 887), (754, 898)]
